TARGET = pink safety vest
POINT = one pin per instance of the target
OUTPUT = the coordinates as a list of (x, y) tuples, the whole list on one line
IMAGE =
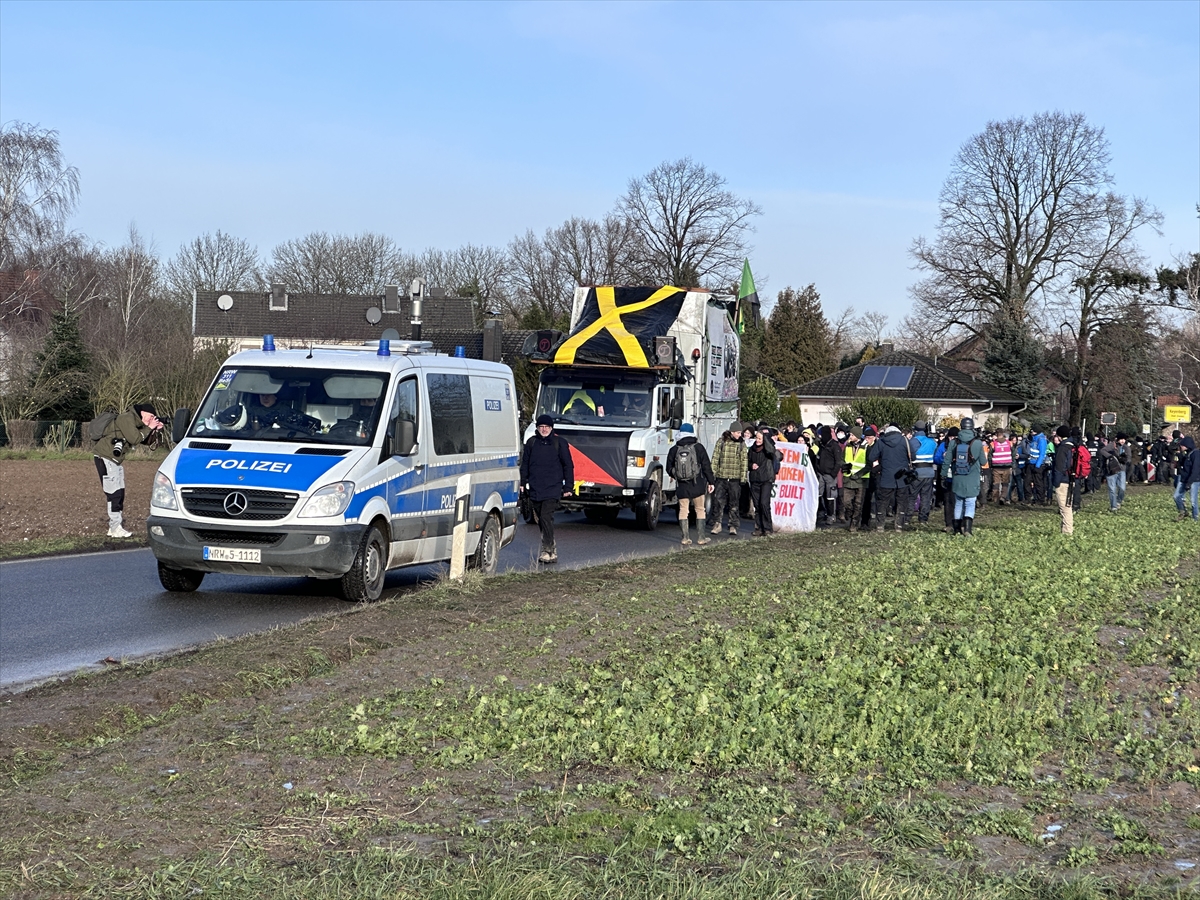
[(1002, 453)]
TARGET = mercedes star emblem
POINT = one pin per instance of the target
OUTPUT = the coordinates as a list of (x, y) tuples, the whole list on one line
[(236, 503)]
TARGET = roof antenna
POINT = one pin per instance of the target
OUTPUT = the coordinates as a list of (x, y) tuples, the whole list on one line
[(310, 346)]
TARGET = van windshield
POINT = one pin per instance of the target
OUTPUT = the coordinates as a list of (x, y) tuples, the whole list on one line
[(596, 400), (324, 406)]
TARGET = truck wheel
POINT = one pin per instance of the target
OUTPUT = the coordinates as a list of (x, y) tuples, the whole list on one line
[(648, 510), (364, 581), (486, 558), (179, 581)]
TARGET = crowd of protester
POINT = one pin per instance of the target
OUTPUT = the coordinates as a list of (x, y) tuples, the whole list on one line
[(898, 477)]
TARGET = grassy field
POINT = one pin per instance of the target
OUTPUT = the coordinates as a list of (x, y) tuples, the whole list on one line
[(825, 716)]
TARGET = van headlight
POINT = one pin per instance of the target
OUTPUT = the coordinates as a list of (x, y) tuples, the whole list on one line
[(163, 494), (330, 500)]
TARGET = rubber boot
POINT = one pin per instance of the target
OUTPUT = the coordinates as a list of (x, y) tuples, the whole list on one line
[(967, 522), (702, 535), (958, 526), (115, 528), (683, 527)]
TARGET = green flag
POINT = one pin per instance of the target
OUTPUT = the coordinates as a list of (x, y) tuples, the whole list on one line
[(747, 299)]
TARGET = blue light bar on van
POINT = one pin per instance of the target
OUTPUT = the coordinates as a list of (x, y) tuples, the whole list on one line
[(268, 343), (385, 348), (460, 351)]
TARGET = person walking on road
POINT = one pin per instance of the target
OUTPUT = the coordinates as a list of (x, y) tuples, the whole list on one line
[(689, 465), (547, 475), (729, 468)]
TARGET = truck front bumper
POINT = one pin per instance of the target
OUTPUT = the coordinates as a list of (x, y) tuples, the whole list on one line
[(287, 551)]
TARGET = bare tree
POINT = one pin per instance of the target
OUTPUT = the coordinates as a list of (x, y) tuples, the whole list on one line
[(915, 335), (37, 191), (591, 252), (1021, 200), (321, 263), (1108, 276), (692, 230), (539, 288), (131, 281), (213, 262)]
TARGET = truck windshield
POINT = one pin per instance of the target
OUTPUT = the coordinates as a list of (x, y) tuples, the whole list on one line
[(611, 401), (323, 406)]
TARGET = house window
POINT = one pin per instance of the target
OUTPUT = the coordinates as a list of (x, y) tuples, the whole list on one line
[(278, 298)]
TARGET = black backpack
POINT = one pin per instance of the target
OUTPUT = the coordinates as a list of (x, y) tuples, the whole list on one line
[(963, 460), (687, 462)]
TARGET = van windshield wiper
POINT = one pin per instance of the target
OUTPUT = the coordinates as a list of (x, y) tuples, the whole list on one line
[(564, 420)]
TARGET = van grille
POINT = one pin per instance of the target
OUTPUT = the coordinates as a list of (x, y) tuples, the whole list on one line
[(260, 506), (255, 538)]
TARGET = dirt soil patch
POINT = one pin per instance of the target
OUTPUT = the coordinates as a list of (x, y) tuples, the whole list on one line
[(43, 499)]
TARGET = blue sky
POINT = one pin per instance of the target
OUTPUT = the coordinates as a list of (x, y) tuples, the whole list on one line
[(444, 124)]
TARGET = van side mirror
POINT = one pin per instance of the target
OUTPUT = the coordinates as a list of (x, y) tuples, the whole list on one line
[(675, 423), (404, 437), (179, 425)]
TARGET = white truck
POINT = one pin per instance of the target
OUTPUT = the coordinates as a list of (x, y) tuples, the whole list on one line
[(637, 363), (338, 463)]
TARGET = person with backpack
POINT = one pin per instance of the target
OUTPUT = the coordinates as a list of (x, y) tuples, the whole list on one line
[(547, 475), (1064, 462), (689, 465), (729, 468), (961, 465), (114, 435), (761, 460), (1035, 466)]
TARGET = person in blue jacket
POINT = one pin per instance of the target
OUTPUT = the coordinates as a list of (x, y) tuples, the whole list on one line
[(1035, 467), (547, 475)]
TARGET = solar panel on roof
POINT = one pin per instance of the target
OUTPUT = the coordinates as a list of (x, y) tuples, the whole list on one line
[(897, 377), (872, 377)]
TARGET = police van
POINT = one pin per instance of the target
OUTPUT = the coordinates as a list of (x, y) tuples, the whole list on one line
[(338, 463)]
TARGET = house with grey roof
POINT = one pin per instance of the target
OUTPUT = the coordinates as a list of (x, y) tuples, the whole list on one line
[(943, 390), (296, 320)]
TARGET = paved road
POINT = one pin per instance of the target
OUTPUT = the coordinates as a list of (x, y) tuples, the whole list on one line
[(64, 614)]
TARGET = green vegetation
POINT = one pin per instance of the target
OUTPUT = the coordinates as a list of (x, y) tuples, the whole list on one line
[(891, 717)]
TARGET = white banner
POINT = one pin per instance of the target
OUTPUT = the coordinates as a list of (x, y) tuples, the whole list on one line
[(797, 491), (722, 376)]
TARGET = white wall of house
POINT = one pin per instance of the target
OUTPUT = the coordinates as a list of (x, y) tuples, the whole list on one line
[(823, 411)]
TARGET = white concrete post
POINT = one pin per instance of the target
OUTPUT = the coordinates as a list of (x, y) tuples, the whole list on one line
[(462, 513)]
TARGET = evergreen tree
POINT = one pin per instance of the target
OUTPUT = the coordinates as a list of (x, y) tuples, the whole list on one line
[(798, 343), (1013, 360), (1124, 369), (61, 369), (760, 402)]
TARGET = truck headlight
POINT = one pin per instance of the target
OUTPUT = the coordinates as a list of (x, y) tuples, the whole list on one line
[(163, 494), (330, 500), (635, 460)]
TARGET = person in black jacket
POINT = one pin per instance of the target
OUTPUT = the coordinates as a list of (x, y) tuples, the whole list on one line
[(1060, 477), (828, 460), (760, 460), (690, 491), (888, 459), (547, 475)]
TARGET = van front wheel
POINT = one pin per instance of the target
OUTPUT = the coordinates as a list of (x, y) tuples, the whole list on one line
[(486, 558), (364, 582), (179, 581)]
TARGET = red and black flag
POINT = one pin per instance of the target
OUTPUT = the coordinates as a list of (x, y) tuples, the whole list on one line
[(617, 326)]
